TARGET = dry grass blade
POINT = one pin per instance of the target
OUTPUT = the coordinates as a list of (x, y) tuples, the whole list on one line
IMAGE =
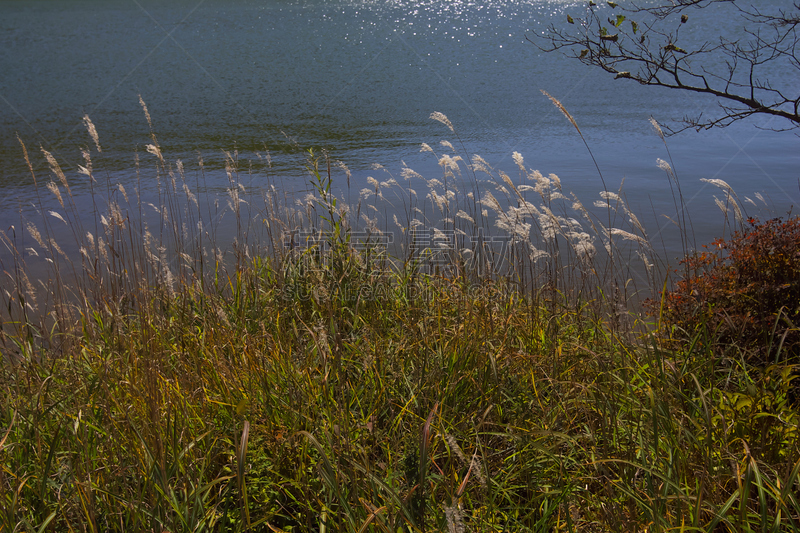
[(373, 514), (8, 431)]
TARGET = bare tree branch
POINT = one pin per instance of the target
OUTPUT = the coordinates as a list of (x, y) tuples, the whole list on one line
[(644, 44)]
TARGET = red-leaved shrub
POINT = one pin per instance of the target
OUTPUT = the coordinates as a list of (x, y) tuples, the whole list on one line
[(746, 290)]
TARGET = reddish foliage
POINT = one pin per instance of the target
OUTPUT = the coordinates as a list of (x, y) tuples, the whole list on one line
[(739, 287)]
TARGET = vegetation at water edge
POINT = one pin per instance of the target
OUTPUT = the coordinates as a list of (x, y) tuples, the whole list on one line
[(302, 375)]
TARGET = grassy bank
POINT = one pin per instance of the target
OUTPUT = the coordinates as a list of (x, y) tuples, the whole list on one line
[(304, 378)]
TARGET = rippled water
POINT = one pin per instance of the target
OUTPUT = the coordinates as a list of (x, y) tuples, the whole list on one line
[(359, 79)]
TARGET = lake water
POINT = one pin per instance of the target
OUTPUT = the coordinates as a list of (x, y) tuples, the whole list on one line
[(359, 79)]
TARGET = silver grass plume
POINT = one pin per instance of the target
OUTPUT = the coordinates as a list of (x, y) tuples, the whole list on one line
[(480, 165), (408, 173), (52, 186), (57, 248), (58, 216), (92, 132), (34, 231), (628, 236), (465, 216), (156, 151), (146, 112), (657, 128), (440, 117), (520, 162), (87, 170), (55, 168), (122, 190)]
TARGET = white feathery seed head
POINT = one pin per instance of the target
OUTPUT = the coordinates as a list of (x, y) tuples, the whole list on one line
[(35, 234), (648, 265), (52, 186), (462, 214), (610, 196), (583, 245), (507, 179), (58, 249), (657, 128), (450, 164), (479, 164), (519, 161), (440, 117), (440, 200), (92, 132), (628, 236), (408, 173), (155, 150), (537, 254), (55, 168), (146, 112), (722, 184), (192, 198), (490, 201), (636, 224), (124, 193)]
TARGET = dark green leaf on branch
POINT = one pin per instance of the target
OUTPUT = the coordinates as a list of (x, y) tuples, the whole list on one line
[(673, 48), (634, 26), (584, 52), (620, 20), (613, 4), (569, 19)]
